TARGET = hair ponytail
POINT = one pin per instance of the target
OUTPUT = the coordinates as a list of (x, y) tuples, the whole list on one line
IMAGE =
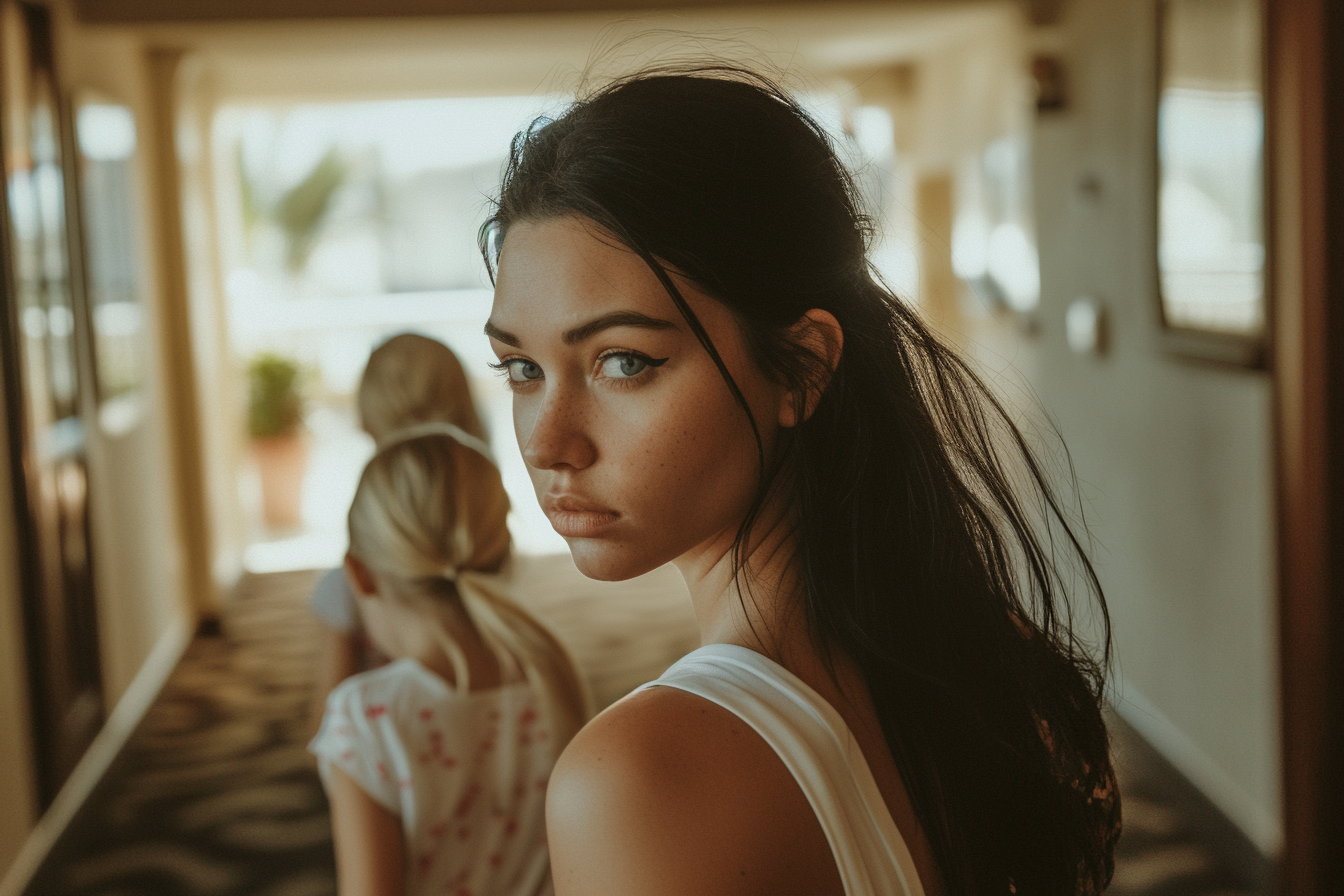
[(527, 647), (429, 517)]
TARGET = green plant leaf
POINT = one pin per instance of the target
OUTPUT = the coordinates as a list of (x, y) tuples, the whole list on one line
[(303, 209), (275, 396)]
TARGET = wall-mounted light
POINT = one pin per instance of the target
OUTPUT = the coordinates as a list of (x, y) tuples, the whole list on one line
[(1085, 326)]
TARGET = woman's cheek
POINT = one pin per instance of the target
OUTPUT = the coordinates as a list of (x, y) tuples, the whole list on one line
[(700, 457)]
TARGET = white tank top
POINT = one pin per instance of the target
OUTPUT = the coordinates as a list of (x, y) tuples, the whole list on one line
[(823, 757)]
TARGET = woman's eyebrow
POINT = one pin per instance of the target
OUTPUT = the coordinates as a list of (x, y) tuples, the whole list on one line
[(503, 336), (593, 327), (615, 319)]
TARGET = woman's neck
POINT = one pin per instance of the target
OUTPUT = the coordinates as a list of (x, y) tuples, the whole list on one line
[(759, 608), (765, 613)]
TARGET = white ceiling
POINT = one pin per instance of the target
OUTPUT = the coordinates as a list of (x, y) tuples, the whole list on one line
[(522, 54)]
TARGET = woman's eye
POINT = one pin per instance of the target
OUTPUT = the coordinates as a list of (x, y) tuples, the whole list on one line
[(623, 366), (520, 370)]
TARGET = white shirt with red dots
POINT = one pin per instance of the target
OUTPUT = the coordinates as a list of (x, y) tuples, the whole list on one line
[(466, 774)]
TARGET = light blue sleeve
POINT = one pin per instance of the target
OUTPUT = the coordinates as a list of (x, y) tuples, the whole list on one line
[(333, 602)]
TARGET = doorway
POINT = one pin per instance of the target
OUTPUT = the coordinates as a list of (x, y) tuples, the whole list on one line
[(44, 344)]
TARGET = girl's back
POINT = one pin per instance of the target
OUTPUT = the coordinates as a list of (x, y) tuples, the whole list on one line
[(466, 774), (436, 765)]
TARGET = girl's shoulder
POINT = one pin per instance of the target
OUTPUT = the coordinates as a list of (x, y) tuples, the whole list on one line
[(398, 676), (403, 706), (389, 691), (664, 776), (405, 686), (366, 702)]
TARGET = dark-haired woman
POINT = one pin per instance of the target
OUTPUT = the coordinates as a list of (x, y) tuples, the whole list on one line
[(705, 371)]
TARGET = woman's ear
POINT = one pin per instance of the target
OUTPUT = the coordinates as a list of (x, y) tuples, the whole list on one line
[(360, 578), (820, 334)]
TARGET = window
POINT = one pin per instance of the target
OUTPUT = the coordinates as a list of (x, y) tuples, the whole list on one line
[(1210, 146)]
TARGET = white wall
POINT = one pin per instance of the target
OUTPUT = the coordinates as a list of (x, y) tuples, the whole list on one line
[(1174, 456), (138, 554)]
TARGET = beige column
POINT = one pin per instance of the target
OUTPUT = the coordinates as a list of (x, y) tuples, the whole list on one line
[(179, 363), (938, 285)]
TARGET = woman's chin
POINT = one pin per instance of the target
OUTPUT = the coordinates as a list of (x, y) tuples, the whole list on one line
[(607, 562)]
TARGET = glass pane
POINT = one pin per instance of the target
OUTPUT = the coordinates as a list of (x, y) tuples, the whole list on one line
[(1211, 247), (107, 139)]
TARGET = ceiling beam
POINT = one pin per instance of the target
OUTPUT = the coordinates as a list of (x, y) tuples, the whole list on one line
[(146, 12), (177, 11)]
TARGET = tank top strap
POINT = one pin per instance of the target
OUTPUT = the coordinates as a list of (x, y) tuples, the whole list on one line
[(816, 746)]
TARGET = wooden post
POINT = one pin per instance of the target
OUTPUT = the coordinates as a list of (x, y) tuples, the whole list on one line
[(1306, 127)]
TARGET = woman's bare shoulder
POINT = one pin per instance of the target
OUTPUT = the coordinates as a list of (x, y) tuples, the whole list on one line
[(666, 792), (657, 736)]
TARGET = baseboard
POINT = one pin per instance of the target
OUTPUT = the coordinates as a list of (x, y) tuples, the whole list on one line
[(1260, 825), (122, 721)]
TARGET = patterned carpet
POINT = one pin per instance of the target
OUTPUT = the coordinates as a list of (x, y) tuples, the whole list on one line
[(214, 795)]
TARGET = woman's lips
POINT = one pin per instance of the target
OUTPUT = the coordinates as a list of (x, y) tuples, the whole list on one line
[(575, 518)]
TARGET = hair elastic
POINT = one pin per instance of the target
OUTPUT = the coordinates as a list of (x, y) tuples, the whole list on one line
[(438, 428)]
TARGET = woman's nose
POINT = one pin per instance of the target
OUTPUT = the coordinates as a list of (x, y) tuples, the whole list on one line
[(556, 436)]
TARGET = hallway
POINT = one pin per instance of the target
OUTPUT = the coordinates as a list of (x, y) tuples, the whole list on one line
[(141, 275), (215, 795)]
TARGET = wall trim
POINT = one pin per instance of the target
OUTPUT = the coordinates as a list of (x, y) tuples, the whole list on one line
[(1261, 825), (123, 720)]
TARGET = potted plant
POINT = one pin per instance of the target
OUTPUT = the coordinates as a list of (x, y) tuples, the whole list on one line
[(275, 389)]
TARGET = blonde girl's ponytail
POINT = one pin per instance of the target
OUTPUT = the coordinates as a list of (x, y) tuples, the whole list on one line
[(429, 518)]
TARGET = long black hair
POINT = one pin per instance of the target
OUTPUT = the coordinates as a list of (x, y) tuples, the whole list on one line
[(931, 546)]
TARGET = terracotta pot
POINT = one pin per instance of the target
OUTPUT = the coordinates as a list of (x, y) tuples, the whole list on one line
[(281, 462)]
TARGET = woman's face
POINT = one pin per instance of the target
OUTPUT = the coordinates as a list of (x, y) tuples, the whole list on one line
[(638, 452)]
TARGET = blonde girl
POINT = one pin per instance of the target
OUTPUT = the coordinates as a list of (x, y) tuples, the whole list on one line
[(409, 379), (436, 764)]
